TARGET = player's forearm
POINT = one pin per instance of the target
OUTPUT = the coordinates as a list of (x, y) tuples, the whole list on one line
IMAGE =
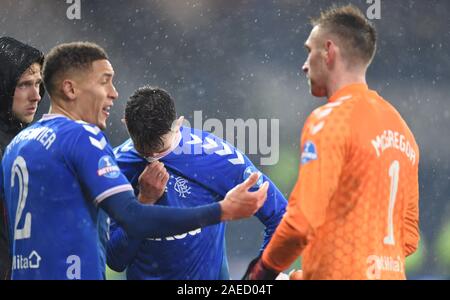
[(286, 245), (145, 221), (412, 235), (120, 249), (411, 221), (271, 213)]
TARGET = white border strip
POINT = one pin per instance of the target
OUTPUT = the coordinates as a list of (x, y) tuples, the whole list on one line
[(112, 191)]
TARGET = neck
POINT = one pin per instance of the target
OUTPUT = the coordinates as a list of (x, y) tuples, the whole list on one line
[(57, 107), (338, 81)]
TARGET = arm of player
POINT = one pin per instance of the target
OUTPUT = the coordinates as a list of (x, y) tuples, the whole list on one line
[(289, 240), (145, 221), (272, 212), (412, 235), (120, 249)]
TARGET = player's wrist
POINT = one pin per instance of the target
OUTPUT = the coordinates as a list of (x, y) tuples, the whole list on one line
[(224, 214), (146, 199), (258, 271)]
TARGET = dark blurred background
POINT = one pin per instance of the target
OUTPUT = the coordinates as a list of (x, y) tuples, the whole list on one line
[(242, 59)]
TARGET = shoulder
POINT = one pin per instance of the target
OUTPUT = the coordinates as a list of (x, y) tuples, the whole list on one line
[(332, 114), (212, 148), (211, 141), (127, 153), (84, 128), (80, 136)]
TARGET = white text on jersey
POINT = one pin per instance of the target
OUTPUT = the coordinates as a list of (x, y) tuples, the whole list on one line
[(46, 136), (178, 237), (392, 139)]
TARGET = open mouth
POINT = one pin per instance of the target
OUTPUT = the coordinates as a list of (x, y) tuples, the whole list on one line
[(107, 109)]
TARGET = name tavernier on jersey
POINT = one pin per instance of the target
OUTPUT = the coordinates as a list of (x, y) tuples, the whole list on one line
[(46, 136)]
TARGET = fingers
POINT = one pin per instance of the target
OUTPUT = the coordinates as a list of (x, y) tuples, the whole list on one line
[(296, 275), (263, 189), (152, 182), (262, 193), (156, 169), (165, 177), (250, 181)]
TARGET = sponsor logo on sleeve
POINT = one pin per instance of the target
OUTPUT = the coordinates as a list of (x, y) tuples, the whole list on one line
[(309, 153), (107, 167)]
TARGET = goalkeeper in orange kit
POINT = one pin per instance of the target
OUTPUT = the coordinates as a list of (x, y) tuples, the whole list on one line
[(353, 213)]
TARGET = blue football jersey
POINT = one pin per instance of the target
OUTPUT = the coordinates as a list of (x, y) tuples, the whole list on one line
[(202, 168), (55, 173)]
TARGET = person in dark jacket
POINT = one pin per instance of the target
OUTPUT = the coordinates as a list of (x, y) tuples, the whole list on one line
[(21, 90)]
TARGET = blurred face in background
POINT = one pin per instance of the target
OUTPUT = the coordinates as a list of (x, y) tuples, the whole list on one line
[(26, 95), (315, 67)]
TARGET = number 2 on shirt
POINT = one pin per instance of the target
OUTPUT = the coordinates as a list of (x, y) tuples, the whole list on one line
[(19, 168)]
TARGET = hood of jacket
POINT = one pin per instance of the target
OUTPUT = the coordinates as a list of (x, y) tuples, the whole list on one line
[(15, 58)]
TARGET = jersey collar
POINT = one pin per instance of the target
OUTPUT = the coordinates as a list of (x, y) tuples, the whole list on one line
[(52, 116), (175, 143), (348, 91)]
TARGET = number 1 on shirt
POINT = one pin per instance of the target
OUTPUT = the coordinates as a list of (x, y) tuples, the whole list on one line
[(394, 171)]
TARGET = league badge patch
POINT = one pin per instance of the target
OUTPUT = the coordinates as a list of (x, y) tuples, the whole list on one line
[(248, 171), (107, 167), (309, 153)]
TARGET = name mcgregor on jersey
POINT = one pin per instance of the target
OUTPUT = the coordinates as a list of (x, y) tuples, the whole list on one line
[(393, 139)]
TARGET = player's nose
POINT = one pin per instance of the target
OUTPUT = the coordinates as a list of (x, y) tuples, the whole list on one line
[(35, 96), (305, 68), (113, 94)]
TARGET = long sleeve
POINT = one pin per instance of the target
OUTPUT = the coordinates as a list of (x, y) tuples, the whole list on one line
[(412, 235), (272, 212), (120, 249)]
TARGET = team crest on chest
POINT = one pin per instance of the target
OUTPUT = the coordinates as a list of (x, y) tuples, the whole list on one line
[(181, 187)]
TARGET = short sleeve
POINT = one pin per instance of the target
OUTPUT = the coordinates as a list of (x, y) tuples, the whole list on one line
[(91, 157)]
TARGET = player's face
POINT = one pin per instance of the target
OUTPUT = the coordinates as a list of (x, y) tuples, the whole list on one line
[(315, 65), (26, 95), (97, 93)]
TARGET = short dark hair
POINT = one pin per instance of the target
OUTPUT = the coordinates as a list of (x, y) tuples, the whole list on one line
[(68, 57), (149, 114), (352, 28)]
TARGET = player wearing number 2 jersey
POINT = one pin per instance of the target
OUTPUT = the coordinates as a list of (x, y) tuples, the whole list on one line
[(353, 213)]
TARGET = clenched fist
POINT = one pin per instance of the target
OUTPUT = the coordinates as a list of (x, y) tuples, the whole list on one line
[(152, 182)]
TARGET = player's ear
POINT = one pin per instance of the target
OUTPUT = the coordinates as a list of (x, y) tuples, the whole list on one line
[(177, 124), (68, 89), (124, 122), (330, 52)]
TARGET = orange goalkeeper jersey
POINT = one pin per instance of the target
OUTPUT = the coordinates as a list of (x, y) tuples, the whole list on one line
[(355, 203)]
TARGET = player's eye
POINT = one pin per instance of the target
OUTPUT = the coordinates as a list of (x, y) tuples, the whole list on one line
[(24, 85)]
